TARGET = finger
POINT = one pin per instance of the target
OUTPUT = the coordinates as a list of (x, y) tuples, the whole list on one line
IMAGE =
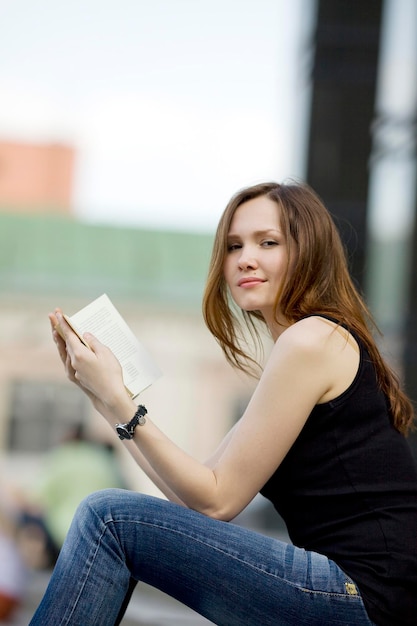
[(93, 343), (60, 322), (52, 315), (57, 332), (52, 319), (71, 329), (66, 331), (59, 342), (71, 373), (53, 322)]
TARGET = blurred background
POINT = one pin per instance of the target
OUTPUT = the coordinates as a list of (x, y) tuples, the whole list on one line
[(125, 127)]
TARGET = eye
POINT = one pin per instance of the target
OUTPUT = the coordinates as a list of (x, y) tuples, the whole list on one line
[(269, 243), (233, 246)]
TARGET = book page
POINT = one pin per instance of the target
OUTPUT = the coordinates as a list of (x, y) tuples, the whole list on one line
[(102, 319)]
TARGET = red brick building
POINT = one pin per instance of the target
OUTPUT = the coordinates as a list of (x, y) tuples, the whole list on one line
[(36, 177)]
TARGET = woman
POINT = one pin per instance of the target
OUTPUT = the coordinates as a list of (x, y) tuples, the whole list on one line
[(322, 437)]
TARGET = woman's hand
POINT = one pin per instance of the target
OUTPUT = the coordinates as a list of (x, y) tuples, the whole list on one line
[(96, 370), (61, 345)]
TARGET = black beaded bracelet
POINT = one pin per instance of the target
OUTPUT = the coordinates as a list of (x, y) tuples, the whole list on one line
[(126, 431)]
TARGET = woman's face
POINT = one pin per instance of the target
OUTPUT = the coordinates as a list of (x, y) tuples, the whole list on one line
[(256, 258)]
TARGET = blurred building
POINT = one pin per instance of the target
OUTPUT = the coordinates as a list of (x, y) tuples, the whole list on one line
[(36, 177)]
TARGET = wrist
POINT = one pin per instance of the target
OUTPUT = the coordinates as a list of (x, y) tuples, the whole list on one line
[(119, 406), (120, 410), (126, 430)]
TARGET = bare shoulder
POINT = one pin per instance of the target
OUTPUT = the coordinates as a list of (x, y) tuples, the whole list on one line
[(327, 351), (316, 335), (303, 344), (310, 333)]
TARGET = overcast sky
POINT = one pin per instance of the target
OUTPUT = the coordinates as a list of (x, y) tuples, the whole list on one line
[(171, 105)]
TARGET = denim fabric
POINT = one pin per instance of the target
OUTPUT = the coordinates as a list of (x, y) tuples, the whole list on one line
[(229, 574)]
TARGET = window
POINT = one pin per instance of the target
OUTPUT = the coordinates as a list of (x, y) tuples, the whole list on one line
[(42, 413)]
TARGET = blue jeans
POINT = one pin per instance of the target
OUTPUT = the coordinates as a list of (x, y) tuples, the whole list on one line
[(227, 573)]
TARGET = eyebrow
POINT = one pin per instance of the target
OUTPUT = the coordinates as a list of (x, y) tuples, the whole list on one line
[(257, 233)]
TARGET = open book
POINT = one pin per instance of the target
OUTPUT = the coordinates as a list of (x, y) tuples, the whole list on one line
[(102, 319)]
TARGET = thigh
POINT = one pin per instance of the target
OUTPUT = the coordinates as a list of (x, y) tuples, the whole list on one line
[(227, 573)]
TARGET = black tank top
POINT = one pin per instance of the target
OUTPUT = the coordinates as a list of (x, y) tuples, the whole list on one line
[(348, 489)]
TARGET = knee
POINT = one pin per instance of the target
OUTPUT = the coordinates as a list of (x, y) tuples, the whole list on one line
[(101, 504), (118, 505)]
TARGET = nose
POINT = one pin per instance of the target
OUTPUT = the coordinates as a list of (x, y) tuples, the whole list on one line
[(247, 259)]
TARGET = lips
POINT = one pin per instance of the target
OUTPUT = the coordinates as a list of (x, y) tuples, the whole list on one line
[(250, 281)]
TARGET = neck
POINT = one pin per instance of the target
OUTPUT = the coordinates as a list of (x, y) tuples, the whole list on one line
[(276, 325)]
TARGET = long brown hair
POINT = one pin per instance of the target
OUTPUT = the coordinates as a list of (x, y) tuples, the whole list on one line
[(317, 282)]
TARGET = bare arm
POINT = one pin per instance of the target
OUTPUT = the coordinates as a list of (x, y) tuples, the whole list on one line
[(146, 467), (299, 372), (149, 471)]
